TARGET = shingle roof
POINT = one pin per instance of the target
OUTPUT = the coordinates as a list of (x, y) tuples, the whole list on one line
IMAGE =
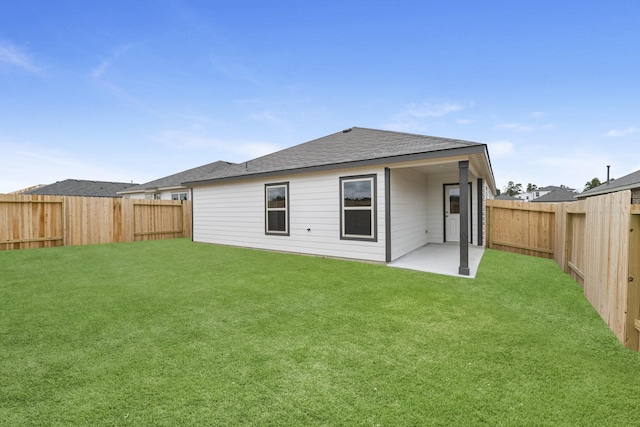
[(79, 187), (177, 179), (507, 197), (627, 182), (350, 146), (556, 196), (554, 187)]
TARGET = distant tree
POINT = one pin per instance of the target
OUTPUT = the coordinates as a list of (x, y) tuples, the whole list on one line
[(595, 182), (513, 189), (531, 188)]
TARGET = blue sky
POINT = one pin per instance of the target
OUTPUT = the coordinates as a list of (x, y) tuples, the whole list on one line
[(137, 90)]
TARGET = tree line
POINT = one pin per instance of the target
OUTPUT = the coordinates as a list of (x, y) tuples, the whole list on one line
[(513, 189)]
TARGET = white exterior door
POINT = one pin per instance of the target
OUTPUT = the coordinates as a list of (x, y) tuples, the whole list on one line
[(452, 213)]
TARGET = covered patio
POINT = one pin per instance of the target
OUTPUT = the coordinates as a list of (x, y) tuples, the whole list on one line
[(440, 258)]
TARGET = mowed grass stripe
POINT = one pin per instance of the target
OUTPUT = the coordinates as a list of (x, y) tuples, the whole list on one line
[(178, 333)]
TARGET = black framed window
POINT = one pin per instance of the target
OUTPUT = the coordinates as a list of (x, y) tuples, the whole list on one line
[(277, 208), (358, 208)]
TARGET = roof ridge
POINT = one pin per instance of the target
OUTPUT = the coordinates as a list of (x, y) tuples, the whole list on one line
[(93, 180)]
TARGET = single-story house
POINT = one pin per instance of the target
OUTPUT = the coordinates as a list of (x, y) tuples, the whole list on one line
[(507, 197), (359, 193), (170, 187), (627, 182), (82, 188), (530, 196), (558, 195)]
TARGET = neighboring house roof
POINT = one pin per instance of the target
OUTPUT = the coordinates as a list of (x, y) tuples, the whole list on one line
[(349, 148), (627, 182), (559, 195), (507, 197), (79, 187), (24, 190), (553, 188), (176, 180)]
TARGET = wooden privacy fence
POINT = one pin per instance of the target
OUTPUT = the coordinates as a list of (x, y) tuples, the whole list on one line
[(47, 221), (596, 241), (521, 227)]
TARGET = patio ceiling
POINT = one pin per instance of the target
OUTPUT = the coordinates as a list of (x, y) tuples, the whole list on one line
[(449, 165)]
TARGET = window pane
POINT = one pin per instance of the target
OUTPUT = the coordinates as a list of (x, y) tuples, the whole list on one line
[(454, 201), (357, 222), (276, 221), (276, 197), (174, 196), (357, 193), (183, 196)]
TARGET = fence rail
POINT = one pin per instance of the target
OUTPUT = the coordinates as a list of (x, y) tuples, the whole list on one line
[(596, 241), (45, 221)]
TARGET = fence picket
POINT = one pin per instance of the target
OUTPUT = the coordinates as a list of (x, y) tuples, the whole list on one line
[(590, 240), (33, 221)]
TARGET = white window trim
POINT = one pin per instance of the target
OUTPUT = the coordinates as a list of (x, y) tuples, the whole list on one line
[(186, 195), (373, 237), (285, 209)]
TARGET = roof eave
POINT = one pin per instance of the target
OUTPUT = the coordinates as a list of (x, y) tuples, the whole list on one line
[(475, 149), (492, 183), (130, 191), (608, 190)]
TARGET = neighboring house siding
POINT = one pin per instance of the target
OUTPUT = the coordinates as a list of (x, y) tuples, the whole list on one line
[(233, 213), (635, 196), (164, 194), (134, 196), (532, 195), (409, 203)]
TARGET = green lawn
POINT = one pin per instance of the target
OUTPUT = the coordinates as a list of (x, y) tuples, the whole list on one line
[(177, 333)]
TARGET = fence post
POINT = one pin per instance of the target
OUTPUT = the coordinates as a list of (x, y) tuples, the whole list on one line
[(633, 289), (568, 241), (63, 219), (490, 228)]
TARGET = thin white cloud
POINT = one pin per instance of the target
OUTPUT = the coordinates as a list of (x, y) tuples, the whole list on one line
[(537, 115), (231, 150), (465, 121), (572, 169), (234, 71), (29, 164), (399, 124), (250, 102), (427, 109), (267, 117), (501, 149), (13, 57), (101, 69), (516, 126), (411, 118), (616, 133)]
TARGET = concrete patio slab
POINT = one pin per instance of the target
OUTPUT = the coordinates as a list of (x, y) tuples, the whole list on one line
[(440, 258)]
